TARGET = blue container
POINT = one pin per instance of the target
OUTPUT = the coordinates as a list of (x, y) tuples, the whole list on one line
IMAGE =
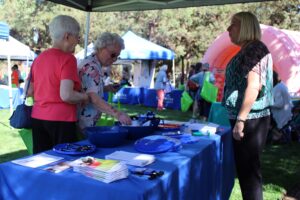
[(137, 132), (106, 136)]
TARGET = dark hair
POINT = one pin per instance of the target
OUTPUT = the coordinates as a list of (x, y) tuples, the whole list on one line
[(15, 66), (198, 67), (276, 78)]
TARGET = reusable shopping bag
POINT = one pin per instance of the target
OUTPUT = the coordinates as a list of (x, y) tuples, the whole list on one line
[(209, 91), (186, 101)]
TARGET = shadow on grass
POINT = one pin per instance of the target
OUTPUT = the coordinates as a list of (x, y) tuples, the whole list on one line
[(13, 155), (280, 165)]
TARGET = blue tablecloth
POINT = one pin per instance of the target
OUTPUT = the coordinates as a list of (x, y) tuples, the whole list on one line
[(16, 97), (203, 170), (172, 99)]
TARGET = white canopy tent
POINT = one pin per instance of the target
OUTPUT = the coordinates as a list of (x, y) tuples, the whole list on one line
[(12, 49)]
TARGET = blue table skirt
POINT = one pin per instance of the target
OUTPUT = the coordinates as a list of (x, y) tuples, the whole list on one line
[(129, 95), (171, 100), (17, 95), (199, 171), (146, 97)]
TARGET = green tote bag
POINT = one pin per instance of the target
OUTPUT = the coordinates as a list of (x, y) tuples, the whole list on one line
[(209, 91), (186, 101)]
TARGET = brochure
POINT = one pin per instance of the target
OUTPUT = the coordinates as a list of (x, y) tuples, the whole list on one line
[(58, 167), (37, 160)]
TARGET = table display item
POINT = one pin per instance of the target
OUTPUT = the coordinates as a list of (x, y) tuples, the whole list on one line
[(151, 173), (143, 125), (37, 160), (185, 138), (135, 159), (74, 149), (157, 144), (106, 136), (103, 170), (169, 127)]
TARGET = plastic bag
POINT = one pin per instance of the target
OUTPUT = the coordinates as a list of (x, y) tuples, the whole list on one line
[(186, 101)]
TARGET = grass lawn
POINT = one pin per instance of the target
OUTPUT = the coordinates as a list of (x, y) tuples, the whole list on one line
[(280, 163)]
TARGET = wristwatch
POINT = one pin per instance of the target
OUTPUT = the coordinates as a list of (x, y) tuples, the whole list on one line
[(238, 119)]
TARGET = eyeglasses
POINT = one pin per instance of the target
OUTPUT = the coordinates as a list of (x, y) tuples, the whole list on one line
[(113, 55), (76, 36)]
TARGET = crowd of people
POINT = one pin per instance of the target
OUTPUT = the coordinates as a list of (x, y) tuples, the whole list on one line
[(65, 93)]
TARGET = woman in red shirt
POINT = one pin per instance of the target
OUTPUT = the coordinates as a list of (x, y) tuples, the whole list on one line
[(56, 87)]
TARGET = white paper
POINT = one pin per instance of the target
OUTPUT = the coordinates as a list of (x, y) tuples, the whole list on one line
[(37, 160), (129, 158), (205, 128)]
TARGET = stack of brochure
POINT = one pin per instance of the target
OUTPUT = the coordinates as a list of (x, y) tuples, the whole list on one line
[(136, 159), (103, 170)]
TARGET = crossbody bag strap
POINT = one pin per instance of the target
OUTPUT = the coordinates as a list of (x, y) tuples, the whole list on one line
[(28, 84)]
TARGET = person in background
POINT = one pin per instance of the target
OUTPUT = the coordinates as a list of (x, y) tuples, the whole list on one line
[(282, 107), (203, 105), (192, 71), (107, 48), (247, 98), (160, 85), (193, 87), (107, 80), (55, 86), (125, 76), (15, 75)]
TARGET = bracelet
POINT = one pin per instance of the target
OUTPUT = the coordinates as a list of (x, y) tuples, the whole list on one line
[(238, 119)]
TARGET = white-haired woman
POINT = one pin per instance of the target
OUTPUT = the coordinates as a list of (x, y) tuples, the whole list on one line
[(107, 48), (160, 85), (55, 86)]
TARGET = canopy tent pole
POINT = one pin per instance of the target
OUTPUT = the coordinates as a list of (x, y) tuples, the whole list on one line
[(9, 84), (87, 30), (173, 69)]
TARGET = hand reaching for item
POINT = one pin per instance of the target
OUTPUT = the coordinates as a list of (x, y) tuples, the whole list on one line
[(124, 118)]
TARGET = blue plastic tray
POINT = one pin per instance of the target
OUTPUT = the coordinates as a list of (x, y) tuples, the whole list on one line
[(157, 144), (74, 149)]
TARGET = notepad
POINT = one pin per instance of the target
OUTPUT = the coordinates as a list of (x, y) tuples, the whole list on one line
[(135, 159)]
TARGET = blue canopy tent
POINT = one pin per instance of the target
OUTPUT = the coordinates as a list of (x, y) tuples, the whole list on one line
[(137, 48), (142, 49), (4, 31)]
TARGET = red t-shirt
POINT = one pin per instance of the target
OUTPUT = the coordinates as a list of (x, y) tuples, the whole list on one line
[(15, 77), (48, 69)]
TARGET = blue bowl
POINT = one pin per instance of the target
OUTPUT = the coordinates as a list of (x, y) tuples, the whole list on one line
[(106, 136), (137, 132)]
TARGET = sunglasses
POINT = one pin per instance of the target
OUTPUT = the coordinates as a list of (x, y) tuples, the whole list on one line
[(113, 55)]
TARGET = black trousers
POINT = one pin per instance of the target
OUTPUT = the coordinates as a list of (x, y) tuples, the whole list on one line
[(47, 134), (247, 157)]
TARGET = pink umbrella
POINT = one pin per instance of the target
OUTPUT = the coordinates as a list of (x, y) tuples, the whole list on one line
[(284, 46)]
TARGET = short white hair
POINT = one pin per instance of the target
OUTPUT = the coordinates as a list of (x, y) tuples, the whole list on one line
[(164, 68), (108, 39), (62, 24)]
